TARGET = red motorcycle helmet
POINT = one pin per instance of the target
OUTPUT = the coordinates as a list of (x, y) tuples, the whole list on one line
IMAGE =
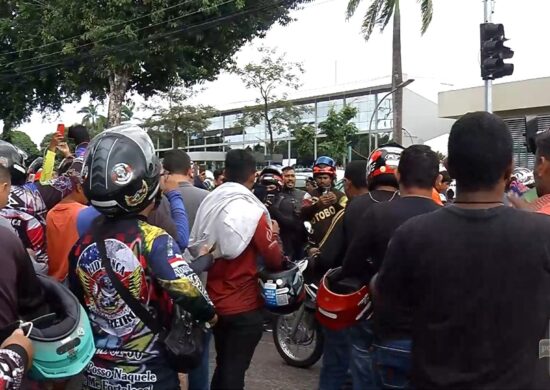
[(384, 160), (341, 303), (324, 166)]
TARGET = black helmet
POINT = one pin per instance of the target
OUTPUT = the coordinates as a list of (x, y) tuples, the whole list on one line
[(14, 158), (283, 291), (272, 175), (121, 171)]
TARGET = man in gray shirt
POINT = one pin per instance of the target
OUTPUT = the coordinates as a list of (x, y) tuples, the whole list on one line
[(177, 164)]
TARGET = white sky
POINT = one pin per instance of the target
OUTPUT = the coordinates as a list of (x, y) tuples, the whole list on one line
[(333, 51)]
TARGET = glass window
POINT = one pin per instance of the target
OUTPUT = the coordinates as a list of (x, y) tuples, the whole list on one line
[(385, 113), (216, 123), (324, 107), (365, 107)]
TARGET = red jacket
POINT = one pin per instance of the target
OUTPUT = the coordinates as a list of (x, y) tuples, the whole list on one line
[(233, 284)]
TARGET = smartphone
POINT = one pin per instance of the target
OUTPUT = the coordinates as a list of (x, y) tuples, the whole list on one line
[(61, 129), (326, 190)]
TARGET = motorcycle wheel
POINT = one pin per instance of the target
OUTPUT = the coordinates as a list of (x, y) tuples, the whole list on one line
[(308, 337)]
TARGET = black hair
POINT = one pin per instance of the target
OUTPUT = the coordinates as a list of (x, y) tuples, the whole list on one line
[(446, 178), (385, 179), (480, 151), (288, 168), (543, 144), (5, 175), (418, 167), (79, 134), (356, 172), (239, 165), (218, 173), (177, 161)]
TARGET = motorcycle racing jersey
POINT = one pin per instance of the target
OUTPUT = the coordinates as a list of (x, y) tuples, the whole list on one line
[(32, 234), (149, 263), (322, 218)]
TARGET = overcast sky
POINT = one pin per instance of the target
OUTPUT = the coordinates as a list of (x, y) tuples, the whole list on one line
[(334, 53)]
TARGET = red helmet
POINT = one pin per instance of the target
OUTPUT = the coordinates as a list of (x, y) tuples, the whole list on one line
[(384, 160), (341, 302), (324, 166)]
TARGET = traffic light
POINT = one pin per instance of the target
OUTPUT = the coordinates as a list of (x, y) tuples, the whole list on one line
[(493, 52)]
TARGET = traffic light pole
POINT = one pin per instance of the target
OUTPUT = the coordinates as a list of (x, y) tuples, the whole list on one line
[(488, 12)]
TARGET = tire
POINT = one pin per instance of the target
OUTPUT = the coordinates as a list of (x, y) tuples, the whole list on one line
[(308, 361)]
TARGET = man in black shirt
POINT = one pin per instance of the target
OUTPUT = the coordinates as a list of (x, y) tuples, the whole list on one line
[(417, 173), (475, 275)]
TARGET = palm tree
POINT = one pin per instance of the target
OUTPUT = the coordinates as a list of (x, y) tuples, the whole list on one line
[(379, 14), (91, 115), (127, 111)]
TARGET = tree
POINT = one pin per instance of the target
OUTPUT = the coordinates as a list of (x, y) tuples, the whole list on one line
[(339, 131), (304, 136), (379, 14), (271, 77), (128, 111), (110, 47), (24, 142), (178, 119)]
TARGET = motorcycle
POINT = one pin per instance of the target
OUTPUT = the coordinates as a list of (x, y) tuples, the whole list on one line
[(298, 336)]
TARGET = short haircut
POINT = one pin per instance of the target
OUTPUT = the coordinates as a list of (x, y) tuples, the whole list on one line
[(543, 144), (79, 134), (177, 161), (218, 173), (239, 165), (5, 175), (356, 172), (480, 151), (418, 167), (289, 168)]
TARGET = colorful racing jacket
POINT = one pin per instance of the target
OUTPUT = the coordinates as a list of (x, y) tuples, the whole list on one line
[(149, 263), (322, 218), (33, 235)]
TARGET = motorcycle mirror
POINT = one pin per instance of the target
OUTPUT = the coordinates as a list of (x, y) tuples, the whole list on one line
[(308, 227)]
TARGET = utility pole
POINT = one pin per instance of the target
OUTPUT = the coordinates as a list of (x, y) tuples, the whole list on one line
[(488, 13)]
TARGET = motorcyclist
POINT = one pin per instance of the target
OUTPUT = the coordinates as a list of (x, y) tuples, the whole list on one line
[(121, 179), (325, 203)]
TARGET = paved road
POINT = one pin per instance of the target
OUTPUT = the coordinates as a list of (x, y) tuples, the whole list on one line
[(269, 372)]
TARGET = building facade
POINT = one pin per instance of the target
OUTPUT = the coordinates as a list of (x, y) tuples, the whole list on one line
[(374, 117)]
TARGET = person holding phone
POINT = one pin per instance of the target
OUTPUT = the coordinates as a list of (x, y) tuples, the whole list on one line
[(325, 203)]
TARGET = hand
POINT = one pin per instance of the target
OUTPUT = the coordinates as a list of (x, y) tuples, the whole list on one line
[(312, 252), (213, 321), (168, 183), (328, 199), (206, 249), (275, 227), (55, 141), (63, 147), (19, 338), (519, 203)]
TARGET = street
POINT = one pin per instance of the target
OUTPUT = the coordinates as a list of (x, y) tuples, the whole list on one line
[(268, 371)]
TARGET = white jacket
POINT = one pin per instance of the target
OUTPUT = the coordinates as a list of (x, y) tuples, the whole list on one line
[(227, 218)]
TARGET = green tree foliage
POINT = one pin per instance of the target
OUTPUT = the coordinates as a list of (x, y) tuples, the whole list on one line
[(92, 118), (339, 131), (24, 142), (110, 47), (271, 77), (379, 14), (304, 136), (177, 119)]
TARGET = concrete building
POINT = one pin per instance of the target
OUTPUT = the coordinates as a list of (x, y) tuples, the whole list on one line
[(420, 119), (515, 102)]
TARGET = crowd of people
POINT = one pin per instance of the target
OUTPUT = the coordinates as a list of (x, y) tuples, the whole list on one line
[(420, 285)]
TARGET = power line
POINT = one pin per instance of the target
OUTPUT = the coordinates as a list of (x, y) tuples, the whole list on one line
[(106, 39), (105, 27), (41, 67)]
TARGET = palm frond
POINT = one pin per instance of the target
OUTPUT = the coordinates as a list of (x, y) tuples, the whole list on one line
[(427, 10), (352, 7), (385, 14), (369, 21)]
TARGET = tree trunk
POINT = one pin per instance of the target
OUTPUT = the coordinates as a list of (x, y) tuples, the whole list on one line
[(397, 76), (176, 138), (118, 85), (271, 146), (6, 131)]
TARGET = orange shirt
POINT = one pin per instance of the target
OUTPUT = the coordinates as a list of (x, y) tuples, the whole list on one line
[(61, 235), (436, 198)]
